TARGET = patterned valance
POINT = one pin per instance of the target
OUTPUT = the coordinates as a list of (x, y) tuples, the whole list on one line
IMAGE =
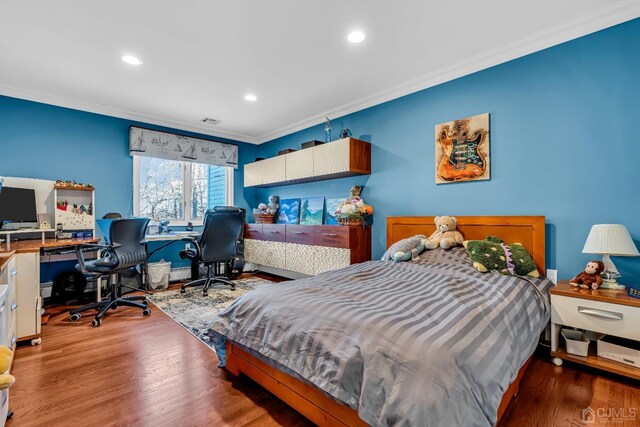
[(151, 143)]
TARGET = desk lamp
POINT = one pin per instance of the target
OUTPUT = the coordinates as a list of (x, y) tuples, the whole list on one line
[(610, 240)]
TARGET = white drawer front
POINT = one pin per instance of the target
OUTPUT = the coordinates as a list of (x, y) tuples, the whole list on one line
[(273, 169), (331, 158), (612, 319), (300, 258), (253, 174), (252, 250), (327, 259), (275, 254)]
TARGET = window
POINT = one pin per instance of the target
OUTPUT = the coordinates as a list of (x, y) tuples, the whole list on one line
[(179, 191)]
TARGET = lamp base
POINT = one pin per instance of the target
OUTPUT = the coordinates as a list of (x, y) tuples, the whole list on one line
[(611, 284)]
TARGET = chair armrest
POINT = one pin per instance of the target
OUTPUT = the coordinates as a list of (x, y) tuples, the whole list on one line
[(194, 240), (90, 246)]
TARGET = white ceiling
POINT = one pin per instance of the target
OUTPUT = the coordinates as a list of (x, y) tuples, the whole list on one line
[(202, 56)]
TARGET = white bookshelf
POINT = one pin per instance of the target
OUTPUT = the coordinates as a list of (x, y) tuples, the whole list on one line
[(69, 218)]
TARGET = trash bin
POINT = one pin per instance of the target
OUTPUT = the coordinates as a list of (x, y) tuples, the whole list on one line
[(159, 275)]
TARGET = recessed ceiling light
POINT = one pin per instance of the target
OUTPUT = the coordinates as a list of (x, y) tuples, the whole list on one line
[(132, 60), (356, 36), (250, 97)]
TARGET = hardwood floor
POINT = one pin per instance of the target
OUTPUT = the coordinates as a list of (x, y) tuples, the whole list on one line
[(142, 371)]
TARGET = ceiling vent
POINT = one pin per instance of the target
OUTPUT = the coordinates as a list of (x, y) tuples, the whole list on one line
[(210, 121)]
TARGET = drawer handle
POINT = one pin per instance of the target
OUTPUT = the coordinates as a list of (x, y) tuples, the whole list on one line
[(14, 273), (299, 232), (330, 234), (2, 308), (274, 232), (14, 306), (596, 312)]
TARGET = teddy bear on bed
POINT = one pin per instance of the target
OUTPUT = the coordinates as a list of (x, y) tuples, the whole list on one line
[(590, 277), (446, 236)]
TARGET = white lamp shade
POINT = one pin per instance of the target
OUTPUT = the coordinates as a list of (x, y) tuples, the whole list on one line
[(610, 239)]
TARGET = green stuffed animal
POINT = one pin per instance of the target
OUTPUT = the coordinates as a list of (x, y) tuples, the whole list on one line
[(492, 254)]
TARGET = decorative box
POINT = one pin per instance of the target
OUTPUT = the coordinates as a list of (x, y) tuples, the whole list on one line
[(633, 291), (620, 349), (310, 144), (287, 151)]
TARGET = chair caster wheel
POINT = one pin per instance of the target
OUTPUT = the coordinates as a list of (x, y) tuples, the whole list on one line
[(205, 294), (183, 291), (233, 288), (36, 341), (74, 317), (96, 322), (146, 312), (557, 361)]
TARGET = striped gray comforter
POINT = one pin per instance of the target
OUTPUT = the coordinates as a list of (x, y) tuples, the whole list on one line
[(432, 343)]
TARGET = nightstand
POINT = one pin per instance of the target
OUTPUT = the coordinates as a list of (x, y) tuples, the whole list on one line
[(607, 311)]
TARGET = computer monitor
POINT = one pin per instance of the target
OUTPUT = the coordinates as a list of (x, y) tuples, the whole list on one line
[(18, 205)]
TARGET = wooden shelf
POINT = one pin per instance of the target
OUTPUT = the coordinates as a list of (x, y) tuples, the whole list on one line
[(64, 187), (595, 361)]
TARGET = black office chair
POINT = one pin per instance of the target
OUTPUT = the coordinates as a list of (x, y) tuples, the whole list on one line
[(218, 246), (126, 249)]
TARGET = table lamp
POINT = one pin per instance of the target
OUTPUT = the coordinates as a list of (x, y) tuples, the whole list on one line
[(610, 240)]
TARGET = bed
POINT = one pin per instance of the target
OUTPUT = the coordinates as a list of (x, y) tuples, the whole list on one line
[(427, 343)]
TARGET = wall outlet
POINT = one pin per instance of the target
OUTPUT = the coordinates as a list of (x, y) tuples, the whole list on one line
[(552, 275)]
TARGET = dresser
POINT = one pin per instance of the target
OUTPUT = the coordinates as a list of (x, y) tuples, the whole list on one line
[(305, 250), (8, 306)]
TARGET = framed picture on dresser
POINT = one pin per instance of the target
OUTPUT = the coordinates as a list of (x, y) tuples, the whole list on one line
[(311, 210), (289, 212)]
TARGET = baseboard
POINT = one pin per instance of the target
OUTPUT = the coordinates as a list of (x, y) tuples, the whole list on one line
[(180, 274), (249, 267)]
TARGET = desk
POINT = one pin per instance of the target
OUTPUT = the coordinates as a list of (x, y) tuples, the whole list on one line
[(176, 235), (26, 255), (8, 234)]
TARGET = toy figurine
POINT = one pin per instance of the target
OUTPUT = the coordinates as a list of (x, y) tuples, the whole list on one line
[(590, 277)]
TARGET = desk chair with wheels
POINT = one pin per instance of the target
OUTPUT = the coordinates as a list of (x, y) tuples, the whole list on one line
[(217, 247), (127, 249)]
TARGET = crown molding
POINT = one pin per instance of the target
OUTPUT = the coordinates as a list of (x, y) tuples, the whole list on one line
[(120, 113), (581, 26)]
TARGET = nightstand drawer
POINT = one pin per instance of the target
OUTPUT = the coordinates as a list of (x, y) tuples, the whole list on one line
[(612, 319)]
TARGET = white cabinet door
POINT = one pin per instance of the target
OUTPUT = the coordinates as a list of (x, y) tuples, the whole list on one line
[(331, 158), (253, 174), (275, 254), (327, 259), (252, 251), (299, 164), (299, 258), (274, 169), (28, 294)]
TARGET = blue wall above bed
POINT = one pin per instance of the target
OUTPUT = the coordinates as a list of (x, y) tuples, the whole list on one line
[(564, 144)]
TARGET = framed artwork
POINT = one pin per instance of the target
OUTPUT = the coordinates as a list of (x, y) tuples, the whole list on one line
[(289, 212), (311, 210), (330, 211), (462, 150)]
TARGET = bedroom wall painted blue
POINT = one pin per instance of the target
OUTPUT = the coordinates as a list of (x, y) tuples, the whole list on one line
[(48, 142), (564, 144)]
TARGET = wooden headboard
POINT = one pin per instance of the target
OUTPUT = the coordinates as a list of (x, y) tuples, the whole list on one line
[(528, 230)]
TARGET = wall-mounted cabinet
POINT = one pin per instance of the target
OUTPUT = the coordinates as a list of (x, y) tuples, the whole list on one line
[(337, 159)]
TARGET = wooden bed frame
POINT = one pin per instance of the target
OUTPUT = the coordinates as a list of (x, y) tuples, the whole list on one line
[(325, 411)]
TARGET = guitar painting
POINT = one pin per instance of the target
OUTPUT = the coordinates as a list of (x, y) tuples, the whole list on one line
[(462, 150)]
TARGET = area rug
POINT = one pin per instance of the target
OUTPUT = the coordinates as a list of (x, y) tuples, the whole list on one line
[(194, 312)]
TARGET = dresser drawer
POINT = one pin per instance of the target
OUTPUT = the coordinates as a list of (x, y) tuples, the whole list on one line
[(612, 319), (253, 231), (302, 234), (273, 232), (334, 236)]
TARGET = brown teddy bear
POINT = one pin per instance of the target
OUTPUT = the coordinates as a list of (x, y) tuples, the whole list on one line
[(590, 277), (446, 236)]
